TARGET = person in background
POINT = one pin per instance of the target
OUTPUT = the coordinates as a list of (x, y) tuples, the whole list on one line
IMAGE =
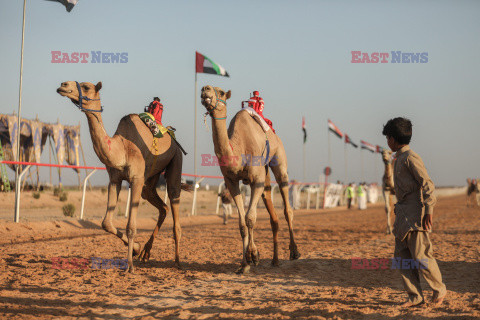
[(362, 196), (349, 191)]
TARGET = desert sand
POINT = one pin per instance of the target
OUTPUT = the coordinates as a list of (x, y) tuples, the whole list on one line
[(320, 285)]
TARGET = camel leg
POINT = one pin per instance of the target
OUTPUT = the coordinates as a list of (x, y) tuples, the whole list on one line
[(150, 194), (173, 176), (137, 186), (281, 175), (267, 200), (251, 218), (234, 189), (388, 202), (107, 224)]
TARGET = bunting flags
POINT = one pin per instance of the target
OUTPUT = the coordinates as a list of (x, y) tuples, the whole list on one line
[(304, 128), (348, 141), (333, 128), (69, 4), (368, 146), (204, 65)]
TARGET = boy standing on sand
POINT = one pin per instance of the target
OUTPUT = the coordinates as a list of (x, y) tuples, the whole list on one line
[(413, 215)]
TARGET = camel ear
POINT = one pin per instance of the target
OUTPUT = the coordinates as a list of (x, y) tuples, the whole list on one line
[(229, 94), (98, 86)]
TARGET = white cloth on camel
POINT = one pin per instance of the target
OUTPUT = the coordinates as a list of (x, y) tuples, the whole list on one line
[(257, 117)]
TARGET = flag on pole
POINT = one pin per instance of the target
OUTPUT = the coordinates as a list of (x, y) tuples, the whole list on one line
[(204, 65), (333, 128), (304, 128), (69, 4), (368, 146), (348, 141), (379, 149)]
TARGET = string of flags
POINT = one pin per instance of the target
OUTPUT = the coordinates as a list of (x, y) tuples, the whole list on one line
[(363, 144)]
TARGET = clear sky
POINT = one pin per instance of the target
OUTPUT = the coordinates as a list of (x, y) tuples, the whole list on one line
[(296, 53)]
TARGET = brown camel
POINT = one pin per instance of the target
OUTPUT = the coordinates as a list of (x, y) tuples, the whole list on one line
[(245, 156), (132, 154), (388, 187)]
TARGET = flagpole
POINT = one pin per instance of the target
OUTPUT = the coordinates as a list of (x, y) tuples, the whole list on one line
[(304, 177), (329, 149), (345, 156), (195, 143), (16, 217), (361, 157)]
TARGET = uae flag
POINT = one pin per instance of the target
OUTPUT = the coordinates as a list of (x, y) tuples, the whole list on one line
[(334, 129), (304, 128), (69, 4), (204, 65), (348, 141), (379, 149), (368, 146)]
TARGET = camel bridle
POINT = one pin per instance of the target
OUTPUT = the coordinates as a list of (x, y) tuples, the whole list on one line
[(217, 100), (82, 97)]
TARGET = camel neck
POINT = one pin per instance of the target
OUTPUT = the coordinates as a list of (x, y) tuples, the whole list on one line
[(221, 141), (100, 139)]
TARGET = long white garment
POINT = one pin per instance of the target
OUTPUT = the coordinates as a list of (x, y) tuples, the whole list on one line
[(362, 200)]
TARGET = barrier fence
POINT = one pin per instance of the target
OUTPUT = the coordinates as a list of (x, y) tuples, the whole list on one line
[(313, 188)]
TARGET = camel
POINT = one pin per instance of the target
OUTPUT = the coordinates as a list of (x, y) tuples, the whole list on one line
[(245, 140), (388, 186), (132, 154)]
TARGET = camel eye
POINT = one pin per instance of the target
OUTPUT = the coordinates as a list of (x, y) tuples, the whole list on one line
[(222, 93)]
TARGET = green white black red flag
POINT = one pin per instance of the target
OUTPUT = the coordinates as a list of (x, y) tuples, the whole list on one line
[(203, 64)]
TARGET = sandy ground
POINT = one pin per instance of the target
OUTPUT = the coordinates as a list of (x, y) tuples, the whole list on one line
[(320, 285)]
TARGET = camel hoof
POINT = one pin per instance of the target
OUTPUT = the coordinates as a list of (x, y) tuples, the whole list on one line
[(244, 269), (131, 269), (256, 258), (275, 263), (294, 255)]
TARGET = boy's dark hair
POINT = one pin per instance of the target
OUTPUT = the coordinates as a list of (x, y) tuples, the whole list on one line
[(156, 99), (400, 129)]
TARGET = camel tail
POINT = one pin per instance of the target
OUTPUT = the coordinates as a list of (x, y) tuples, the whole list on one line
[(186, 187)]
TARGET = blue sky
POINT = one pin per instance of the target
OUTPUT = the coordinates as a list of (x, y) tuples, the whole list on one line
[(296, 53)]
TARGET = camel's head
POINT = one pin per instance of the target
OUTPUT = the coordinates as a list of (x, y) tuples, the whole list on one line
[(215, 100), (386, 155), (88, 90)]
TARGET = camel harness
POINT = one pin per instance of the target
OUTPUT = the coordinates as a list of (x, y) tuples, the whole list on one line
[(82, 97)]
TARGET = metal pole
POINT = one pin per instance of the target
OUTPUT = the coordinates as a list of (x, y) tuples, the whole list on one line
[(329, 149), (17, 168), (346, 162), (361, 158), (85, 189), (195, 134), (304, 176), (194, 204), (17, 189)]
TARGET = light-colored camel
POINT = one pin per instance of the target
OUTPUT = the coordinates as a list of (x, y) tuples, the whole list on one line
[(132, 154), (388, 186), (240, 150)]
